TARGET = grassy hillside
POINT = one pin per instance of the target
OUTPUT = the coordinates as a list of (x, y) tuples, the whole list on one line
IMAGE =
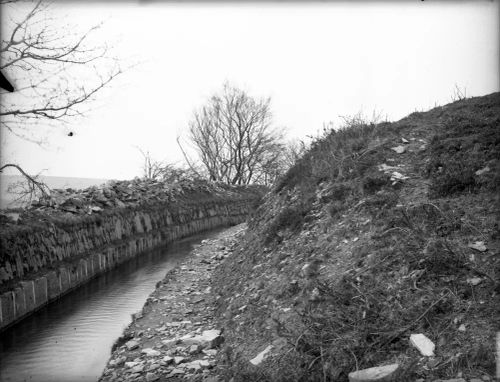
[(378, 232)]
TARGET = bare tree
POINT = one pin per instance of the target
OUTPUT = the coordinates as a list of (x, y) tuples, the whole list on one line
[(292, 151), (56, 72), (459, 93), (279, 158), (173, 173), (151, 168), (234, 137), (29, 189), (163, 171)]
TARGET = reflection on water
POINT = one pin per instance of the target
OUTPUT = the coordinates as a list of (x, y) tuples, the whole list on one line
[(70, 339)]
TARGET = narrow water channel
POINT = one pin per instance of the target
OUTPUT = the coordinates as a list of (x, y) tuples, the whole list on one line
[(71, 339)]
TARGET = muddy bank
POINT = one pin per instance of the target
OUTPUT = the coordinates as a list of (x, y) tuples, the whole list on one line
[(175, 337)]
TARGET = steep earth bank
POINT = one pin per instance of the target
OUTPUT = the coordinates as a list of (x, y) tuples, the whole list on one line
[(380, 247)]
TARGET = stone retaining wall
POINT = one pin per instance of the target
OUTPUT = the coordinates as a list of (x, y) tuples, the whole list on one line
[(43, 260)]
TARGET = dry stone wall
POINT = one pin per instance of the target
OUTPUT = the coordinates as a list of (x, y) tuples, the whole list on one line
[(47, 257)]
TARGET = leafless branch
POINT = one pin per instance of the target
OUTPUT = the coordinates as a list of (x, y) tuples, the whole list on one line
[(30, 188), (234, 138), (188, 160), (57, 72), (459, 93)]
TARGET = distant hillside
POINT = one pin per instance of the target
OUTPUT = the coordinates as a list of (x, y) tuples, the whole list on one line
[(378, 232), (7, 200)]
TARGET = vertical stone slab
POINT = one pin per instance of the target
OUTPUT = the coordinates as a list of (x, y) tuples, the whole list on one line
[(19, 302), (29, 295), (73, 277), (40, 286), (86, 268), (119, 254), (118, 228), (53, 285), (110, 260), (138, 223), (19, 266), (147, 222), (103, 262), (7, 308), (64, 279), (81, 270), (91, 266), (95, 264)]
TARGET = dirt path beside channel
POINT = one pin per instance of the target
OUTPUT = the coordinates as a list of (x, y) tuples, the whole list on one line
[(174, 338)]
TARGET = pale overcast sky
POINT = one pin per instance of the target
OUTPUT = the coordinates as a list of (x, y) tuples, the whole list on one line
[(317, 61)]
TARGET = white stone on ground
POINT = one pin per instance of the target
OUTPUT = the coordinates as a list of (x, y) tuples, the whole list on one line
[(399, 149), (423, 344), (167, 359), (474, 281), (398, 176), (178, 360), (482, 171), (150, 352), (131, 345), (374, 374), (478, 246), (208, 339), (257, 360)]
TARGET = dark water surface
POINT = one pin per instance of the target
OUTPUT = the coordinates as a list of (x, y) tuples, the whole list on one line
[(71, 339)]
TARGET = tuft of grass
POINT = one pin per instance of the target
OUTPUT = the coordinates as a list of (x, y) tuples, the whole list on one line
[(336, 156), (290, 218), (467, 143)]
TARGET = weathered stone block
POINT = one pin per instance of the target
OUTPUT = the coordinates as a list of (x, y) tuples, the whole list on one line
[(375, 374), (138, 224), (110, 260), (53, 285), (82, 270), (7, 309), (118, 229), (29, 295), (64, 279), (40, 288), (147, 223), (92, 265), (103, 263), (19, 302), (73, 277)]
